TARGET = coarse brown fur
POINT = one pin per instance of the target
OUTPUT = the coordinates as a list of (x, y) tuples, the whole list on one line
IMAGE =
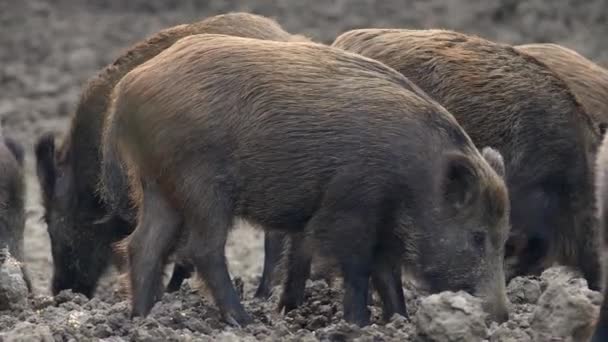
[(12, 201), (587, 80), (513, 102), (79, 226), (313, 141), (601, 193)]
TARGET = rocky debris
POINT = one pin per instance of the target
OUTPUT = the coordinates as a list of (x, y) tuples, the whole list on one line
[(523, 290), (451, 317), (29, 332), (13, 289), (566, 309)]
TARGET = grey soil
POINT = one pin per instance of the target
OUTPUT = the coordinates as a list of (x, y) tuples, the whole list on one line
[(49, 48)]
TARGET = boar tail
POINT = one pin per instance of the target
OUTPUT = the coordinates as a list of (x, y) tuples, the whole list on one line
[(113, 185)]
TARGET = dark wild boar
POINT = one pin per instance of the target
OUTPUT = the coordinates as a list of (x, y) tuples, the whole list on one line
[(508, 100), (601, 193), (12, 201), (80, 229), (309, 140)]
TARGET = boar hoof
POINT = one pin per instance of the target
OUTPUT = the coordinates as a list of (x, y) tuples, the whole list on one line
[(237, 320), (289, 303), (358, 318)]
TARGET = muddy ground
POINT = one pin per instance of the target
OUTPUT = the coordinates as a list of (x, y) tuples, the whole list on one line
[(49, 48)]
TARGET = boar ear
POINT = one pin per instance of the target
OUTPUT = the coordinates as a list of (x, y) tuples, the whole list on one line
[(494, 158), (460, 184), (45, 163), (16, 149)]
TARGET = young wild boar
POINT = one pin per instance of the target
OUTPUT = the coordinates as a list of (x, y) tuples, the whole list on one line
[(587, 80), (601, 195), (508, 100), (80, 229), (310, 140), (12, 199)]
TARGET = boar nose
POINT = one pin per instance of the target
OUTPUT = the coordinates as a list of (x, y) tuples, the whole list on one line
[(497, 310), (500, 315)]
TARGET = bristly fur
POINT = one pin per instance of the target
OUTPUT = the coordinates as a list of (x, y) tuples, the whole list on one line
[(309, 140), (515, 103), (587, 80), (76, 162)]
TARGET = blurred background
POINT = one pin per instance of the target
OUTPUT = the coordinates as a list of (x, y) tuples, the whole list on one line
[(48, 48)]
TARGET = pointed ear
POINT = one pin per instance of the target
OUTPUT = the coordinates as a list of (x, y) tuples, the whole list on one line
[(460, 184), (16, 149), (494, 158), (45, 163)]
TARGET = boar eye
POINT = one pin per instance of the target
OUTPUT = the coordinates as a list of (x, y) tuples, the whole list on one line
[(479, 239)]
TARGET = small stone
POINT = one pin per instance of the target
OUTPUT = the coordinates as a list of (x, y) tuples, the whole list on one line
[(522, 290), (451, 317), (13, 289)]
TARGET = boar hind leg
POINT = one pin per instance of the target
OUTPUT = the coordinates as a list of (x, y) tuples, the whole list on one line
[(181, 271), (273, 245), (148, 249), (208, 224), (298, 271), (386, 278)]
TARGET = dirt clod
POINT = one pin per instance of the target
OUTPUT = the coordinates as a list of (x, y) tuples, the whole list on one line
[(565, 309), (13, 289), (451, 317), (524, 290)]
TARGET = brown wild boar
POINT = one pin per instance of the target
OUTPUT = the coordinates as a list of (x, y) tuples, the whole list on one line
[(587, 80), (309, 140), (508, 100), (601, 193), (80, 229), (12, 201)]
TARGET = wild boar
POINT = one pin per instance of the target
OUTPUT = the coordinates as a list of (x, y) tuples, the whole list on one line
[(80, 229), (509, 100), (309, 140)]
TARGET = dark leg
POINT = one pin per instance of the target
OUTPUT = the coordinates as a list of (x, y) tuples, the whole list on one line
[(273, 246), (148, 249), (601, 328), (587, 254), (181, 271), (386, 278), (332, 228), (298, 271), (590, 265), (356, 290), (208, 225)]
